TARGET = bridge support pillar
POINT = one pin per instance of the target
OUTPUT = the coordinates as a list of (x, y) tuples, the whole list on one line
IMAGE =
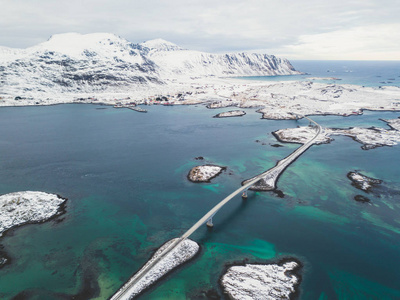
[(210, 223), (244, 195)]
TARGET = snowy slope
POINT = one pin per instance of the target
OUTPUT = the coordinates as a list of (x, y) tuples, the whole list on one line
[(98, 62), (160, 45), (173, 60), (75, 62)]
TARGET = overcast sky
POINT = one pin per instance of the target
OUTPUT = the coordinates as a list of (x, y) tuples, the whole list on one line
[(295, 29)]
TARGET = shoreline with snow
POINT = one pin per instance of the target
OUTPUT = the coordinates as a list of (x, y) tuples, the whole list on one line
[(28, 207), (22, 208), (102, 68), (276, 280), (275, 101), (181, 254), (370, 138)]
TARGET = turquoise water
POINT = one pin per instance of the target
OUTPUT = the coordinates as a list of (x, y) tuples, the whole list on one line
[(125, 176), (364, 73)]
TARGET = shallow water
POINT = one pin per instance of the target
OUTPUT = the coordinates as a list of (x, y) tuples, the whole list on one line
[(125, 176)]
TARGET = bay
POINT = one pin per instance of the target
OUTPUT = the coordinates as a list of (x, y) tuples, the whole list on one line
[(125, 176), (363, 73)]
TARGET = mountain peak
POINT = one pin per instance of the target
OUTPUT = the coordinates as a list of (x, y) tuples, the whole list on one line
[(161, 45), (74, 43)]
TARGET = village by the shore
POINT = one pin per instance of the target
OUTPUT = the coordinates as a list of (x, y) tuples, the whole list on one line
[(277, 100)]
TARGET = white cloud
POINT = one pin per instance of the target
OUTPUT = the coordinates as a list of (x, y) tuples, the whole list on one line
[(374, 42), (280, 27)]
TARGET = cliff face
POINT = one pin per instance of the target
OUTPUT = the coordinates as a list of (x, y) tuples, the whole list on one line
[(174, 60), (96, 62)]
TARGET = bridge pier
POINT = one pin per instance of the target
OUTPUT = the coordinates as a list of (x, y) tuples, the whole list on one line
[(210, 223)]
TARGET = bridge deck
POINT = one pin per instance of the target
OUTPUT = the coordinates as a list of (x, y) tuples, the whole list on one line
[(270, 175)]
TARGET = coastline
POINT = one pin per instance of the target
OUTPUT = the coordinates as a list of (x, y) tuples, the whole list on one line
[(204, 103), (60, 209), (154, 277), (274, 100), (186, 111)]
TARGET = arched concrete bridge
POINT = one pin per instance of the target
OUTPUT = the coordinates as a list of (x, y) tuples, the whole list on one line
[(269, 178)]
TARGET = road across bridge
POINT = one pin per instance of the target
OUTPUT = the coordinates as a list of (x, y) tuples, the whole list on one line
[(270, 177)]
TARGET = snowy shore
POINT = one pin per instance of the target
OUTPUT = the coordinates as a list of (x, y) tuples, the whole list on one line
[(274, 101), (28, 207), (179, 255), (253, 281), (369, 137), (103, 68)]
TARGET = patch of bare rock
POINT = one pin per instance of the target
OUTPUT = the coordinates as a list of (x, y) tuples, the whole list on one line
[(362, 182)]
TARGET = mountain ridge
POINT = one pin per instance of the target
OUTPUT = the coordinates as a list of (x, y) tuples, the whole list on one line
[(104, 61)]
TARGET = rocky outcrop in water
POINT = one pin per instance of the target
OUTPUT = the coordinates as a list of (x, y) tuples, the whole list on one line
[(361, 198), (255, 281), (204, 173), (28, 207), (362, 182), (232, 113)]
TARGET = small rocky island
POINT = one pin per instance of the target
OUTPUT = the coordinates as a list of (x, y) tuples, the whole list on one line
[(370, 137), (361, 181), (28, 207), (253, 281), (183, 252), (362, 199), (204, 173), (232, 113)]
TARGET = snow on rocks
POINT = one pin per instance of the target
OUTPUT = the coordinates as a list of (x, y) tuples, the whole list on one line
[(105, 63), (369, 137), (222, 104), (179, 255), (274, 113), (27, 207), (281, 99), (232, 113), (362, 182), (300, 135), (394, 123), (251, 281), (204, 173)]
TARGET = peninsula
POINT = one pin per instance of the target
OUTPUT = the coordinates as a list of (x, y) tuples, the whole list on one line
[(28, 207)]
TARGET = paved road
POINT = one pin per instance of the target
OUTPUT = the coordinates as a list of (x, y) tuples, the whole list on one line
[(271, 176)]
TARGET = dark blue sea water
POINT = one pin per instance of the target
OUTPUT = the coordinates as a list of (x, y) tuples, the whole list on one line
[(364, 73), (125, 176)]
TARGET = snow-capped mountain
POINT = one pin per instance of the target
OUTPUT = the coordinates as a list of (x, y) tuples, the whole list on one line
[(160, 45), (74, 62), (173, 60)]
